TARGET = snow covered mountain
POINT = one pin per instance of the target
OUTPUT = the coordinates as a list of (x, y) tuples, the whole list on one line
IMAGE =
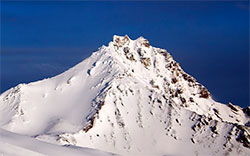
[(128, 98)]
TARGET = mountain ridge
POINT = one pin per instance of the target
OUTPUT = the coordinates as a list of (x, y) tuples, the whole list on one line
[(117, 94)]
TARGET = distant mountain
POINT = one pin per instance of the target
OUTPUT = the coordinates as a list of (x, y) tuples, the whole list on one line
[(128, 98)]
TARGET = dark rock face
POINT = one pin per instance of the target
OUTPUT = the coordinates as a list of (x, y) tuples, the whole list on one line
[(204, 93), (174, 80), (244, 136), (247, 111), (233, 107)]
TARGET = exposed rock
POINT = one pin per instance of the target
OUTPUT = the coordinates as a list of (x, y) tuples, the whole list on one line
[(244, 136), (247, 111), (183, 100), (191, 99), (188, 78), (233, 107), (126, 50), (146, 44), (174, 80), (204, 93), (146, 62), (121, 41)]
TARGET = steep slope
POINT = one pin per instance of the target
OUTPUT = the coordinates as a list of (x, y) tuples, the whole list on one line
[(58, 104), (128, 98)]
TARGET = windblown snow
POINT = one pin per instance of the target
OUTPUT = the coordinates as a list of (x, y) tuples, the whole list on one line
[(128, 98)]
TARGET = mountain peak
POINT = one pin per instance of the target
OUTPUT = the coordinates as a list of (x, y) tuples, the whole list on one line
[(121, 41), (129, 98)]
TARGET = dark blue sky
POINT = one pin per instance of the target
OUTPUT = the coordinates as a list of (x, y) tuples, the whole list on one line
[(209, 39)]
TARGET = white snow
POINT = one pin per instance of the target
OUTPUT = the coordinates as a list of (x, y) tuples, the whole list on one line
[(127, 98), (12, 144)]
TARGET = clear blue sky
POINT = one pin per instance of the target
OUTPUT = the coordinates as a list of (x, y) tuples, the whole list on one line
[(209, 39)]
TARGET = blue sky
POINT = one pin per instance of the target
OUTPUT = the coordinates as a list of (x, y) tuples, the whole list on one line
[(209, 39)]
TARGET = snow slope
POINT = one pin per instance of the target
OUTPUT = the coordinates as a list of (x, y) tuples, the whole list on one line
[(19, 145), (127, 98)]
